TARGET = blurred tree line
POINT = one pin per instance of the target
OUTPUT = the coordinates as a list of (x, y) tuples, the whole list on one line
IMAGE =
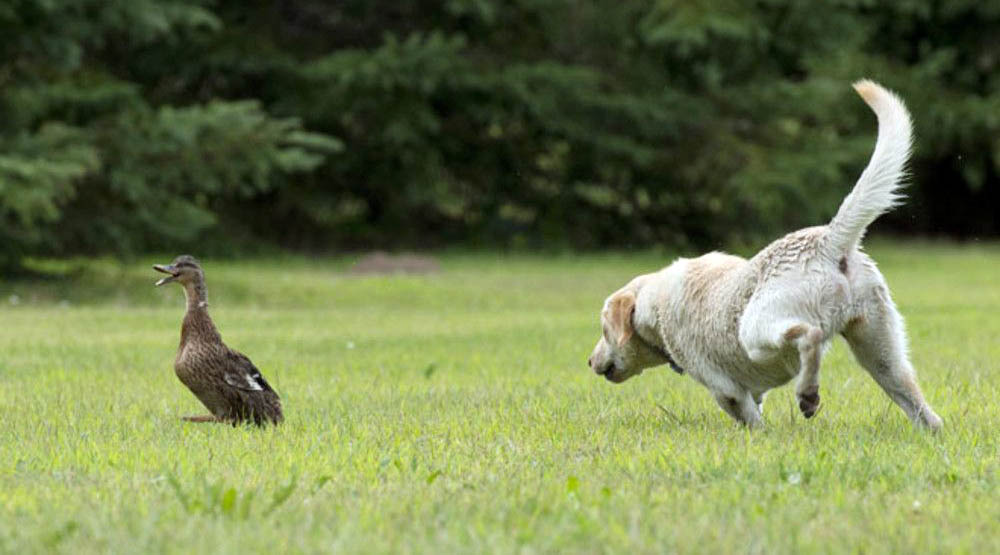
[(129, 125)]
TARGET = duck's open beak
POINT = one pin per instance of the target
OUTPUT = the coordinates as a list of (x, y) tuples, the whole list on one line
[(166, 270)]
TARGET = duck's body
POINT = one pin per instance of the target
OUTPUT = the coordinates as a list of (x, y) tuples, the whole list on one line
[(223, 379)]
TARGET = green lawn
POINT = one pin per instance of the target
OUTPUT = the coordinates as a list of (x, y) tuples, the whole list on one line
[(454, 412)]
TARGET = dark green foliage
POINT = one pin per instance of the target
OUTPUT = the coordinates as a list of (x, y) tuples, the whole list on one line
[(91, 160), (135, 125)]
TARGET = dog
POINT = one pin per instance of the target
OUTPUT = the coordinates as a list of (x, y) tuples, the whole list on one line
[(743, 327)]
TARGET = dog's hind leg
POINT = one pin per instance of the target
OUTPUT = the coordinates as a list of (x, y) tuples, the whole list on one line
[(808, 340), (878, 341), (764, 343)]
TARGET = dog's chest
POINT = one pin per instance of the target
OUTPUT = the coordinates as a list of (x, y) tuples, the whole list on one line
[(702, 327)]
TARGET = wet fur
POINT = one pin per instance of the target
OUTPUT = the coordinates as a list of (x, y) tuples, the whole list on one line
[(742, 327)]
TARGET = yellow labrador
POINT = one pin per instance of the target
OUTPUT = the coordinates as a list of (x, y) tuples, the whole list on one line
[(742, 327)]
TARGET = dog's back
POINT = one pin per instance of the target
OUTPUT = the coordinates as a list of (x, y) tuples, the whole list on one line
[(875, 192)]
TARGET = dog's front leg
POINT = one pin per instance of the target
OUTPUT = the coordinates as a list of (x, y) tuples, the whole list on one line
[(759, 399), (741, 407)]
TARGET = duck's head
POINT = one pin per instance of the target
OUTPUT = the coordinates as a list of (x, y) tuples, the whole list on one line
[(184, 269)]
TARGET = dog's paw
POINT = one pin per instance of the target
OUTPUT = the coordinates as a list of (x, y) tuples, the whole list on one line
[(809, 404)]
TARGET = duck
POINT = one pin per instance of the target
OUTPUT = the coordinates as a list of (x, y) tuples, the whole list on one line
[(223, 379)]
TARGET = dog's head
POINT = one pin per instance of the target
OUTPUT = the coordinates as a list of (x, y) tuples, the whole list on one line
[(621, 353)]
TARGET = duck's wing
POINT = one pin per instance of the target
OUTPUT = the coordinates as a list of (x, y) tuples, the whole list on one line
[(242, 374)]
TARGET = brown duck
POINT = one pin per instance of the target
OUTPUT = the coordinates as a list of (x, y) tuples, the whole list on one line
[(224, 380)]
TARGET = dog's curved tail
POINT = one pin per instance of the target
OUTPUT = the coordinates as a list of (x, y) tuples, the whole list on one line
[(877, 189)]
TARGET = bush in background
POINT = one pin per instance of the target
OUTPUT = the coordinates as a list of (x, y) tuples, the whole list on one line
[(165, 125)]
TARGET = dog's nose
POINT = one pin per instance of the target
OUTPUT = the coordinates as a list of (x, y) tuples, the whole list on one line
[(590, 362)]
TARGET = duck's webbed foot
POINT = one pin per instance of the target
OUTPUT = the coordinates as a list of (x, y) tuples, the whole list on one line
[(202, 418)]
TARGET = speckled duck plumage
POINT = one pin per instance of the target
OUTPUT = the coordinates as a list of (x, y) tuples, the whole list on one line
[(223, 379)]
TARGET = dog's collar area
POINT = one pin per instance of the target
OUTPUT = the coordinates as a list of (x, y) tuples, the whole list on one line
[(664, 352), (673, 363)]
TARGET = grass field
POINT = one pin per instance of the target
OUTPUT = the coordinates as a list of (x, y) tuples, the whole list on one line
[(454, 412)]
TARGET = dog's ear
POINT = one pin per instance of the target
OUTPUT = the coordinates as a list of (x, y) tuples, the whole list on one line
[(621, 307)]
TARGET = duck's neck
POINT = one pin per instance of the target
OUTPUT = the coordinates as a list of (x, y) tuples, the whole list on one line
[(197, 323)]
